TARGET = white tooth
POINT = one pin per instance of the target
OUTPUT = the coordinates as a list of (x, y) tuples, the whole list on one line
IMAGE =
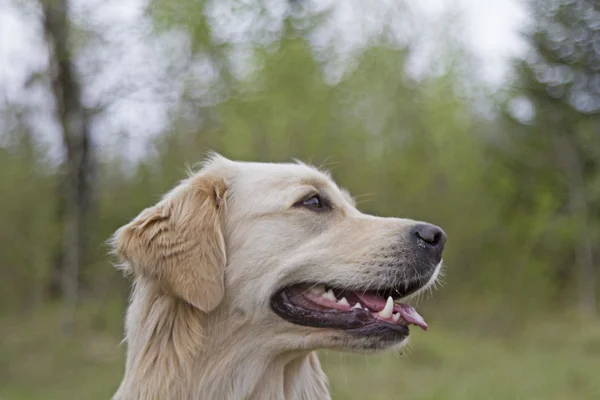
[(388, 309), (343, 302), (357, 305), (396, 316), (329, 295), (318, 289)]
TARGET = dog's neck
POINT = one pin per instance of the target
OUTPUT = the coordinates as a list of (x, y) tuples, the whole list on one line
[(176, 352)]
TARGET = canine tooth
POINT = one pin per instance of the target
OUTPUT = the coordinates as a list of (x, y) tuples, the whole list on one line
[(318, 289), (388, 309), (329, 295), (343, 302), (396, 316), (357, 305)]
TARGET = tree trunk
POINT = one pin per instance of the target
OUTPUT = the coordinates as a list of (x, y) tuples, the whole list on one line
[(578, 207), (78, 163), (54, 286)]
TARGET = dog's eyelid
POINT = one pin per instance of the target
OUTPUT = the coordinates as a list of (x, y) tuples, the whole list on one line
[(311, 194)]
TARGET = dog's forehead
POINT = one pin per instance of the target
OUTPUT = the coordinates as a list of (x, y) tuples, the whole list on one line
[(253, 178), (280, 176)]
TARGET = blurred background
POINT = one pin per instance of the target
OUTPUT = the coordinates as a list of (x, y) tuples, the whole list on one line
[(480, 116)]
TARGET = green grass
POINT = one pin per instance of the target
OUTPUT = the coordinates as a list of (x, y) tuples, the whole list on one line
[(547, 359), (444, 364)]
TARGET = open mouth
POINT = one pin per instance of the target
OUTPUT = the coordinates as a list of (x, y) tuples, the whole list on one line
[(359, 311)]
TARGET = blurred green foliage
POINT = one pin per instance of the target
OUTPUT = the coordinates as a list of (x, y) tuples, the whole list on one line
[(415, 148)]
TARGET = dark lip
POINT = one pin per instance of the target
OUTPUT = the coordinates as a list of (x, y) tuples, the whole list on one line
[(403, 290), (357, 322)]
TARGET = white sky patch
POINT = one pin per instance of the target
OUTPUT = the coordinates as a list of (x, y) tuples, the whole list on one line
[(491, 29)]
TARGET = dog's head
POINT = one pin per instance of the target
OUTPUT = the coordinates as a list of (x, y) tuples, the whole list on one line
[(282, 247)]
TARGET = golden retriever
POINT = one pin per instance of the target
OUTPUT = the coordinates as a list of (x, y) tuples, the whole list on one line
[(244, 269)]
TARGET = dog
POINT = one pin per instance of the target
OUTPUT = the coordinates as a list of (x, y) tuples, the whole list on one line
[(244, 269)]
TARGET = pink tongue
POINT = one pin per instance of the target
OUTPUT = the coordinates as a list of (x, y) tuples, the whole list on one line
[(407, 312)]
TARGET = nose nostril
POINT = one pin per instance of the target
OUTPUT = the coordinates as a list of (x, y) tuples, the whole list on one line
[(430, 234), (424, 238), (436, 239), (429, 241)]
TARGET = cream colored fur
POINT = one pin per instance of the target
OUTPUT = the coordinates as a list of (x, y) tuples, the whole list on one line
[(205, 261)]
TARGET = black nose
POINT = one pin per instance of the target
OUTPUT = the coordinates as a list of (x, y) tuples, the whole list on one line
[(430, 237)]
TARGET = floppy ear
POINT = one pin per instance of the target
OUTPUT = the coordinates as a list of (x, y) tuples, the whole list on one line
[(179, 242)]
